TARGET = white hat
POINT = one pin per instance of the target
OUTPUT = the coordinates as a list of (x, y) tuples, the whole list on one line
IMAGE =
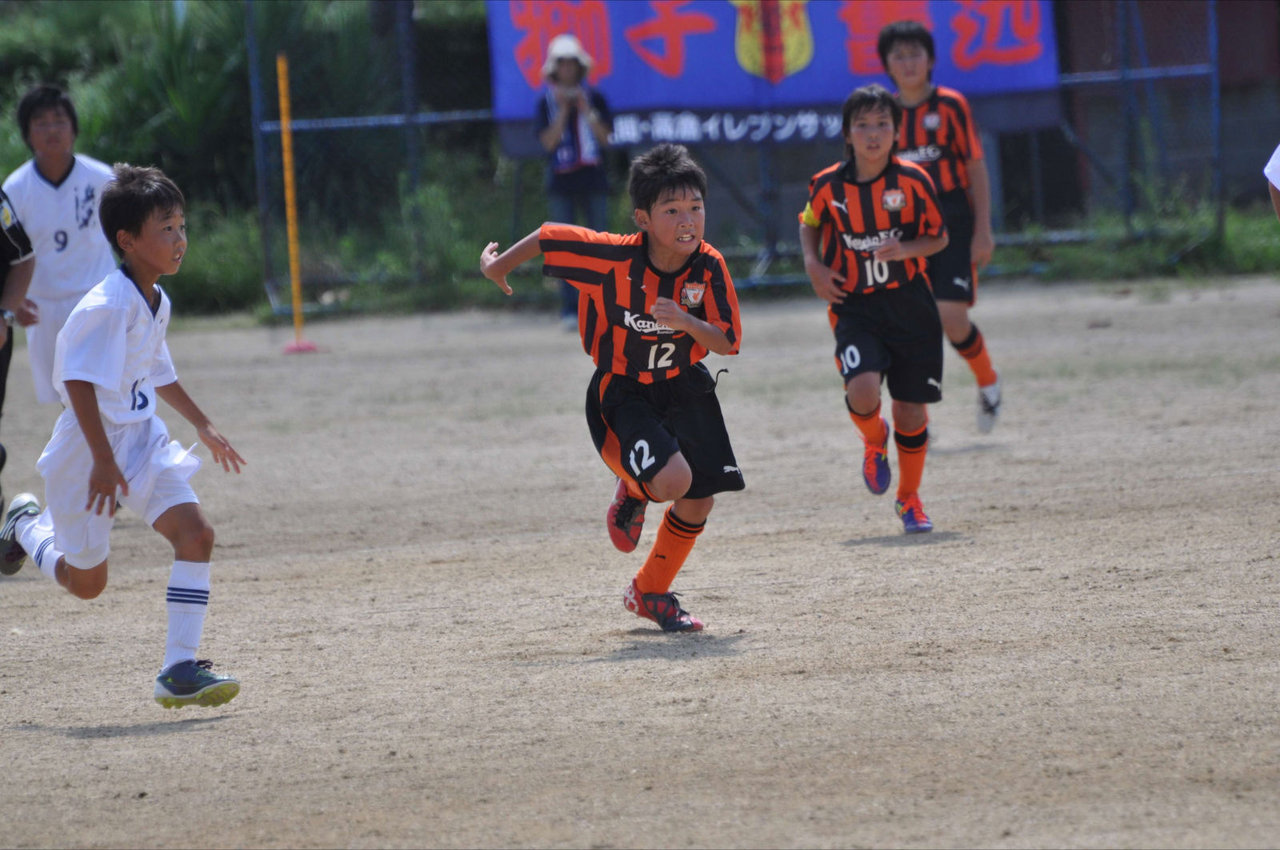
[(565, 46)]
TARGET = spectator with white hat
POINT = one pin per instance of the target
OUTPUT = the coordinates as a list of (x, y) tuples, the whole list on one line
[(573, 124)]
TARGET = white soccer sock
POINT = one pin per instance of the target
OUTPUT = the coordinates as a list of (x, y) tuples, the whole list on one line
[(187, 600), (35, 536)]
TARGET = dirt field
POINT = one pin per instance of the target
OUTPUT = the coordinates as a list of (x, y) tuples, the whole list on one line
[(414, 585)]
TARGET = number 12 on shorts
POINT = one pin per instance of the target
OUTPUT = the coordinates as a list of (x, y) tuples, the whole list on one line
[(640, 459)]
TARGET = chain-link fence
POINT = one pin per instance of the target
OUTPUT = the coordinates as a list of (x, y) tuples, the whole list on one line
[(1132, 136)]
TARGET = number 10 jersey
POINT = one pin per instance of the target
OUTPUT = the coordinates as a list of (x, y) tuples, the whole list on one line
[(855, 218)]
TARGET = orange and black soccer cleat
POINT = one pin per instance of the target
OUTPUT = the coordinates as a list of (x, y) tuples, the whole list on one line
[(625, 519), (663, 608)]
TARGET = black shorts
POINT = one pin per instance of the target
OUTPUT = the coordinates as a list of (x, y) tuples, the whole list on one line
[(897, 333), (638, 427), (951, 270)]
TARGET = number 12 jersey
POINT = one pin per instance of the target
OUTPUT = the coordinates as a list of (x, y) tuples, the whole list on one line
[(619, 288)]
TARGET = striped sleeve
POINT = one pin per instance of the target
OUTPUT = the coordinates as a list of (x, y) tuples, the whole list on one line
[(581, 256), (722, 307), (928, 211), (816, 207), (968, 144)]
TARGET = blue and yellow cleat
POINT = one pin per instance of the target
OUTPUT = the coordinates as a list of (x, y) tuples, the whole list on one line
[(914, 520), (194, 683)]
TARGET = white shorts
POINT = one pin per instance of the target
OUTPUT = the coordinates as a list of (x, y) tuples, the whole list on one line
[(157, 469), (42, 339)]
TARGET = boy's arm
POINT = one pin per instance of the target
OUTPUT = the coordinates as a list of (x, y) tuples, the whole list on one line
[(824, 280), (15, 291), (669, 313), (983, 244), (16, 283), (105, 476), (176, 397), (497, 266), (921, 246), (549, 137)]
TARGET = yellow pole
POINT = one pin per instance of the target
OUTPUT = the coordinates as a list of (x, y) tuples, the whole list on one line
[(291, 206)]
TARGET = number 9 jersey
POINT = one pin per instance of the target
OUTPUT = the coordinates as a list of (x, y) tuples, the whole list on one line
[(618, 290), (854, 219)]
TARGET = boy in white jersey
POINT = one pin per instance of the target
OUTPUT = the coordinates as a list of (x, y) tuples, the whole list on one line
[(56, 194), (111, 364)]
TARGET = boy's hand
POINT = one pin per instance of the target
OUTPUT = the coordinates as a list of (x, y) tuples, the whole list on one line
[(669, 313), (221, 450), (892, 249), (825, 282), (104, 478), (28, 314), (982, 247), (488, 257)]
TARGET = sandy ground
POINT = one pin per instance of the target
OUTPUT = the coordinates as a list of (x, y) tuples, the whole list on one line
[(414, 584)]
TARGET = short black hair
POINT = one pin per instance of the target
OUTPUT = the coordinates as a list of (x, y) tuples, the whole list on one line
[(40, 98), (867, 99), (912, 32), (130, 199), (663, 167)]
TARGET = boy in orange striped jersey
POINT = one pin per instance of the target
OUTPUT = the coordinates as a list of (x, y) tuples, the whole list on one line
[(938, 132), (655, 302), (868, 226)]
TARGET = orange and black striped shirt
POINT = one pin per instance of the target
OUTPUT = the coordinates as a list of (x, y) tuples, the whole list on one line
[(940, 134), (854, 219), (618, 330)]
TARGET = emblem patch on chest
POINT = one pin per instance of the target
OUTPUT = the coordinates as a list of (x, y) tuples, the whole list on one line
[(691, 295), (893, 200), (931, 120)]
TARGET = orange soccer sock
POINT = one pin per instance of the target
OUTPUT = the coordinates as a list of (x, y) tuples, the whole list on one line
[(869, 425), (674, 542), (974, 351), (912, 447)]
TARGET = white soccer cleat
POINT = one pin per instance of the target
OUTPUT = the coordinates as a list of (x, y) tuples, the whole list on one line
[(12, 555), (988, 407)]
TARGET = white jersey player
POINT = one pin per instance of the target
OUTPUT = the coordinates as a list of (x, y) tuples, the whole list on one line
[(1272, 171), (111, 364), (56, 194)]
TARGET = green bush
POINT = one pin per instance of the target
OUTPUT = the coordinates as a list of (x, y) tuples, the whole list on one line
[(222, 271)]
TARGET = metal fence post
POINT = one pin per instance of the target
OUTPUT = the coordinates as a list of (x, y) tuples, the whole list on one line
[(259, 152), (1215, 127)]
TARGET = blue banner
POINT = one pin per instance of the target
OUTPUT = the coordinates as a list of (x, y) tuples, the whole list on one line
[(784, 62)]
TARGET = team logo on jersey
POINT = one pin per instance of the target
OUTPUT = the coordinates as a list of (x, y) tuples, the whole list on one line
[(692, 294), (893, 199), (924, 153), (931, 120), (642, 324), (6, 215), (872, 241)]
